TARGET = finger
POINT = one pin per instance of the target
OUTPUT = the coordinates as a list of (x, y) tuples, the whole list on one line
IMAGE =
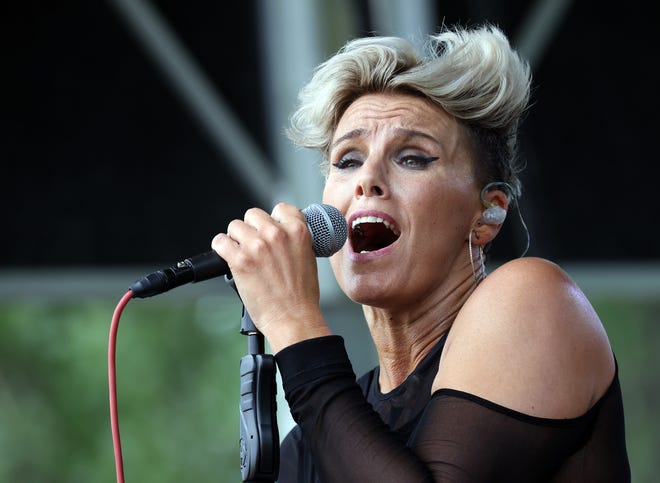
[(257, 218), (284, 212), (228, 245), (259, 232), (224, 245), (240, 247), (294, 222)]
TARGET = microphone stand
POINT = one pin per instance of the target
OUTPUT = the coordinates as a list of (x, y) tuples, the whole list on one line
[(259, 437)]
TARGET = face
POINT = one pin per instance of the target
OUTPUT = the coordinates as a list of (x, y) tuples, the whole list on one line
[(402, 175)]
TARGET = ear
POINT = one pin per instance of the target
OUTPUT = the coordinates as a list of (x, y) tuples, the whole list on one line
[(488, 222)]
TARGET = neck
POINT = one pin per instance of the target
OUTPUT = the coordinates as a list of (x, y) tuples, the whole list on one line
[(404, 336)]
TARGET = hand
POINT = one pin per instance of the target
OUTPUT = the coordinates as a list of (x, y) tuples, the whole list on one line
[(274, 268)]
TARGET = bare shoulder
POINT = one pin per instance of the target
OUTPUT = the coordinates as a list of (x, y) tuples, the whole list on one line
[(529, 339)]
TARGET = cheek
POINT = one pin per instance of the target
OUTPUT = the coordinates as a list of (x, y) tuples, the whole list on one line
[(340, 268), (333, 194), (447, 209)]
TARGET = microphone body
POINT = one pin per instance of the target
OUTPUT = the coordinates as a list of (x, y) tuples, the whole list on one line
[(326, 225)]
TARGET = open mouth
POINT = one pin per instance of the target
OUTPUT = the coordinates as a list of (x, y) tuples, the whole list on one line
[(371, 233)]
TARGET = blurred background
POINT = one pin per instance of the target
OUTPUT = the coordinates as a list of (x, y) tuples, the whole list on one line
[(135, 130)]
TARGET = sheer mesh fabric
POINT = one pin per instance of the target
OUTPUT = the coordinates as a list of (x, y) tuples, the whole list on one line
[(350, 432)]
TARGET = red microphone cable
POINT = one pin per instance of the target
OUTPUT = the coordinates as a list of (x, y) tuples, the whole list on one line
[(112, 385)]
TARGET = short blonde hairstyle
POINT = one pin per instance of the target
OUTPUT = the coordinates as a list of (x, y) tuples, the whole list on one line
[(473, 74)]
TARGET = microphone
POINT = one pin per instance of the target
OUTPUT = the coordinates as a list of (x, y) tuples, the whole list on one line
[(326, 224)]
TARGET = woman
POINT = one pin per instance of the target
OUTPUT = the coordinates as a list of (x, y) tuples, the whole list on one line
[(508, 377)]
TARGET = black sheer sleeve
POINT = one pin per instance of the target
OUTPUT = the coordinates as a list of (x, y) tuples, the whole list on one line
[(348, 440), (458, 438)]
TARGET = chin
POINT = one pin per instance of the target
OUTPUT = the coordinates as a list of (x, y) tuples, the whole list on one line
[(371, 289)]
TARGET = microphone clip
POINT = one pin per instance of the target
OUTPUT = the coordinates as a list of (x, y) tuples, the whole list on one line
[(259, 436)]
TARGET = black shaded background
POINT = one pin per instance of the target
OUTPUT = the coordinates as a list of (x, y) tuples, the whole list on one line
[(103, 165)]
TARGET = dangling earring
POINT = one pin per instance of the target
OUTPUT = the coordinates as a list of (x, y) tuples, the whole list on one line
[(477, 279)]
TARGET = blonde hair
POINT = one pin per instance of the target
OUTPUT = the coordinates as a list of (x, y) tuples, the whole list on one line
[(473, 74)]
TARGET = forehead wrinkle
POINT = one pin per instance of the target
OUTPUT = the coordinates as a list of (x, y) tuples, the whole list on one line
[(413, 119), (399, 132)]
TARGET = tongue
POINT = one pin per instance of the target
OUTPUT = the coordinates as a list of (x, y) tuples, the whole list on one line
[(371, 236)]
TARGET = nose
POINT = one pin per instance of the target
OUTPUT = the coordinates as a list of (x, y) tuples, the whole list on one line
[(371, 181)]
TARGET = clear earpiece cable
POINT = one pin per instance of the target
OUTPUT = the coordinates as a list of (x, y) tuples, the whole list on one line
[(527, 235)]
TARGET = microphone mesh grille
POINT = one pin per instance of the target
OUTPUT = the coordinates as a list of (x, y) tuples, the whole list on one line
[(328, 228)]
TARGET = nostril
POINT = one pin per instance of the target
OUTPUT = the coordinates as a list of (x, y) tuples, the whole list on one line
[(367, 187), (373, 190)]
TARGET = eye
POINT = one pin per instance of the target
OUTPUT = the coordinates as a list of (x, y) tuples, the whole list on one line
[(347, 162), (416, 161)]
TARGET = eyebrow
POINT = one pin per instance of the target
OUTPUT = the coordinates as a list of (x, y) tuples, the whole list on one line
[(407, 133), (355, 133), (412, 133)]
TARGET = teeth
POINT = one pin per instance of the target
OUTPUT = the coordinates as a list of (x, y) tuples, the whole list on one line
[(374, 219)]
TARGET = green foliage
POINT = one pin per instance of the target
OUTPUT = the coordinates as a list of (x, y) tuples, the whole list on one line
[(177, 378), (177, 384), (634, 330)]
